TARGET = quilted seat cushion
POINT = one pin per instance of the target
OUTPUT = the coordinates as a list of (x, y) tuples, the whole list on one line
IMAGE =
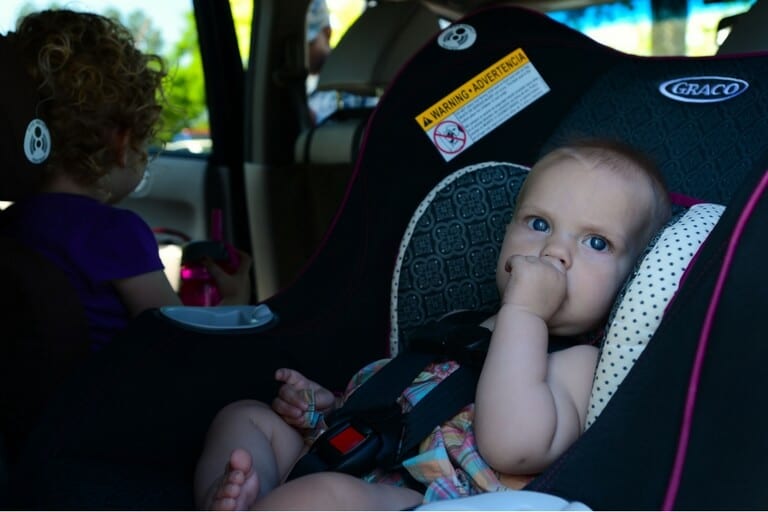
[(447, 256)]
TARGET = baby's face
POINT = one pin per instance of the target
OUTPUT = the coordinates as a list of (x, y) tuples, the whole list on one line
[(594, 220)]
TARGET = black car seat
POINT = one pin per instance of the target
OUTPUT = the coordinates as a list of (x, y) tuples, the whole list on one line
[(44, 337), (127, 432), (44, 330), (4, 477)]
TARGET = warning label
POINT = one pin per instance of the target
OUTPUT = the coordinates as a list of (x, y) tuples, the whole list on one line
[(482, 103)]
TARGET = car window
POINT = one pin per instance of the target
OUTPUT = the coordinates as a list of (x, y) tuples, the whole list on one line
[(647, 27), (343, 14)]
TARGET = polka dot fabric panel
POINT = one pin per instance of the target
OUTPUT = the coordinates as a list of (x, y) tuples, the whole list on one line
[(643, 299), (447, 256)]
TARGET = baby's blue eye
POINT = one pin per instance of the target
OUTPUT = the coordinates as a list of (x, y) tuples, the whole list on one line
[(597, 243), (538, 224)]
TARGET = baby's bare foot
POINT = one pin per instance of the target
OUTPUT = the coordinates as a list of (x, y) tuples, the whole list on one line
[(239, 487)]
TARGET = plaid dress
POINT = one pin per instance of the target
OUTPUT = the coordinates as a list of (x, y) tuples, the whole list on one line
[(448, 462)]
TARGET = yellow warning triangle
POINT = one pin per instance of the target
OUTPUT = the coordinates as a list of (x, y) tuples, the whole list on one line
[(426, 122)]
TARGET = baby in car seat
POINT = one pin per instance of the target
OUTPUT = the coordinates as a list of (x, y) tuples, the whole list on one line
[(583, 217), (98, 107)]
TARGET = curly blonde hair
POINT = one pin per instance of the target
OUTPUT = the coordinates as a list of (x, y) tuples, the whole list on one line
[(92, 81)]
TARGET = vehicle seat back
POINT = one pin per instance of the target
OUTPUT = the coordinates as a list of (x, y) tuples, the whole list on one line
[(363, 63)]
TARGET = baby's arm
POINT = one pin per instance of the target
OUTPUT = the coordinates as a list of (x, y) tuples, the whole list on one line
[(145, 291), (291, 401), (530, 407)]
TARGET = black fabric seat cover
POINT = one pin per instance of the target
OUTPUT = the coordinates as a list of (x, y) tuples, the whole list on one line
[(44, 340)]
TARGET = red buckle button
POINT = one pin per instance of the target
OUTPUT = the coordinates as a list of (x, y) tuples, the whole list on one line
[(346, 440)]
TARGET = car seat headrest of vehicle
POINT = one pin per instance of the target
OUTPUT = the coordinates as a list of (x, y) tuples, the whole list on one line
[(645, 297), (373, 49), (26, 140)]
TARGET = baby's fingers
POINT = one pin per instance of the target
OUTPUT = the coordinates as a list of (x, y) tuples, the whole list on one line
[(296, 397), (287, 410), (292, 378), (303, 415)]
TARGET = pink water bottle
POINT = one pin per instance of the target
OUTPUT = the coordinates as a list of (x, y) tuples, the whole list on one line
[(197, 286)]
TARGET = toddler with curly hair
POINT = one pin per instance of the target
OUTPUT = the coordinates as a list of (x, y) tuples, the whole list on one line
[(97, 105)]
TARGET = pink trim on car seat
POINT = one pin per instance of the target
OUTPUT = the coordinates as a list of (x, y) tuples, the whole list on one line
[(693, 384), (683, 200)]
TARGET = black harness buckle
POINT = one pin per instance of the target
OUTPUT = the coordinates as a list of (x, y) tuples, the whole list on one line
[(349, 447), (354, 445), (371, 431)]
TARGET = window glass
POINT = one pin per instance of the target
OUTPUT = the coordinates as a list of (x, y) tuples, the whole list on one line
[(343, 14), (673, 27), (164, 27), (242, 14)]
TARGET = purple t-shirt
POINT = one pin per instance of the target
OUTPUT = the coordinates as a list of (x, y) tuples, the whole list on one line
[(94, 244)]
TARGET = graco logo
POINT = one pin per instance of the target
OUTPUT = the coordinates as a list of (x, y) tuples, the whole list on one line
[(703, 89)]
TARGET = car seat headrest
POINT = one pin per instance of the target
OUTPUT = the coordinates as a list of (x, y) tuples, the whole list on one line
[(645, 297), (26, 142), (375, 46), (448, 253)]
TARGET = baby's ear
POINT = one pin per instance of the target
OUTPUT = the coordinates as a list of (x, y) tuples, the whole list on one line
[(120, 140)]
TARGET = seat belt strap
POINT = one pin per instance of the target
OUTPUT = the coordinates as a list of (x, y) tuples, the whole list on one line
[(368, 428), (382, 389), (441, 404), (370, 431)]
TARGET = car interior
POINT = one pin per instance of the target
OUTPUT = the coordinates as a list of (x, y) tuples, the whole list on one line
[(366, 226)]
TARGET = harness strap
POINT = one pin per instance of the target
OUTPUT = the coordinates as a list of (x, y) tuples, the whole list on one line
[(383, 388), (370, 430), (438, 406)]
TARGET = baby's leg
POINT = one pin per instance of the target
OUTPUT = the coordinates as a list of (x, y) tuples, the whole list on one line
[(337, 491), (272, 446)]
